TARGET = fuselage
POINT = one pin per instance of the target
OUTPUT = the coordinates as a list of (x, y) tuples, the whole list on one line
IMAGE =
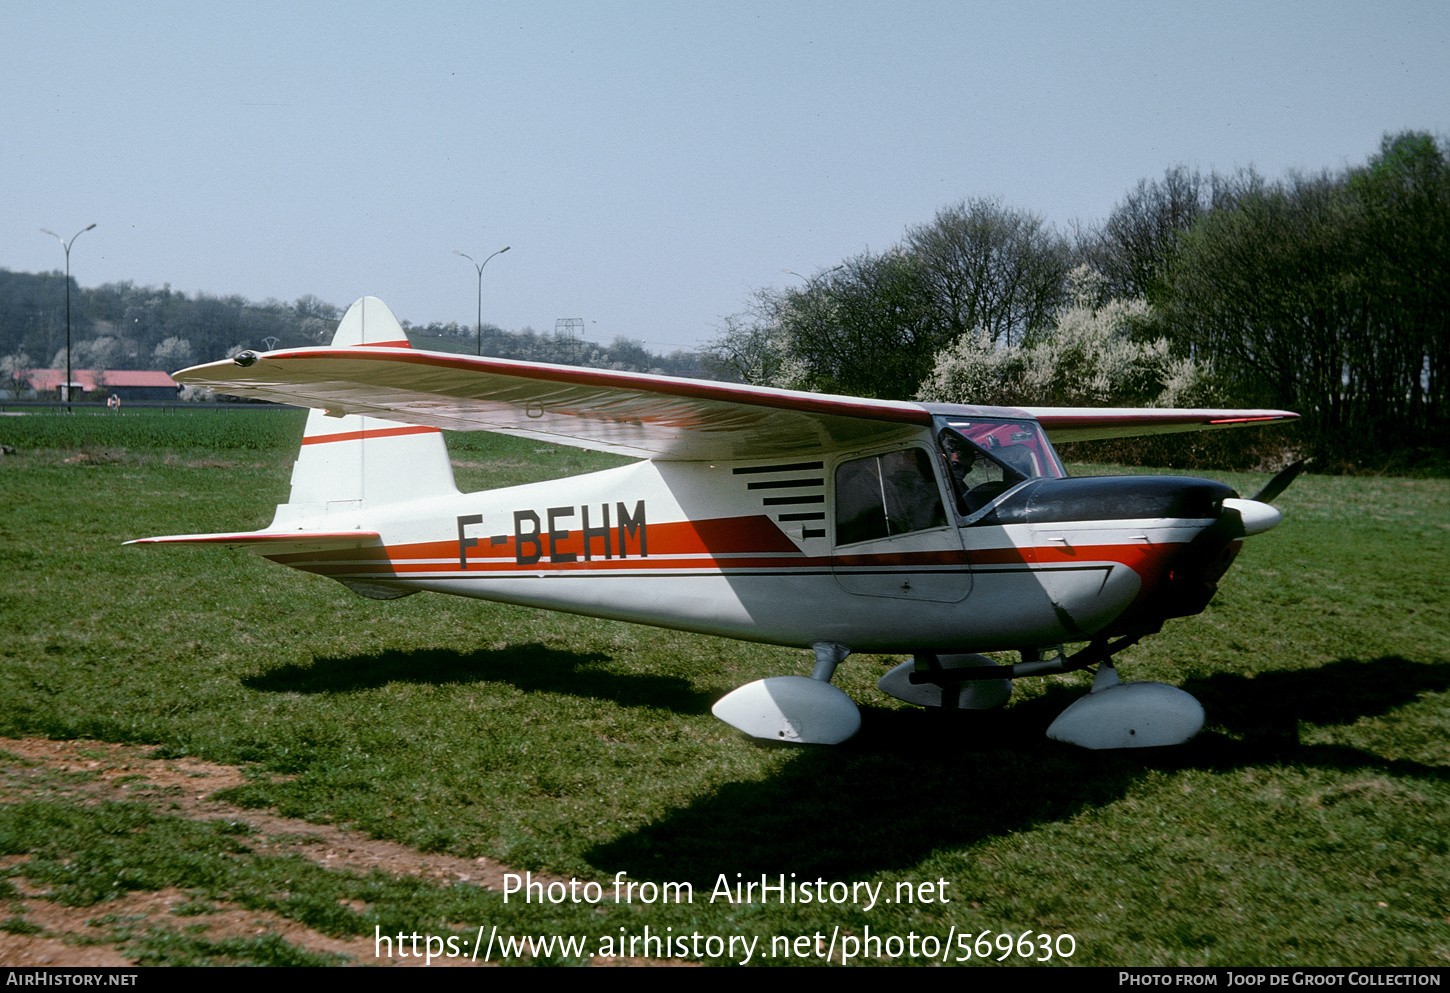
[(882, 550)]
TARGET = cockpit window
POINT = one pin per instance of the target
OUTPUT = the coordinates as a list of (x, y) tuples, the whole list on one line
[(987, 457)]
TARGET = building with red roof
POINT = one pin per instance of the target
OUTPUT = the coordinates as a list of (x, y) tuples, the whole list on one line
[(128, 384)]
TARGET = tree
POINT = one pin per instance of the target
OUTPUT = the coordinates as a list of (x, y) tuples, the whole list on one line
[(310, 306), (990, 269), (1326, 294), (173, 353), (872, 325), (1264, 289), (1141, 234), (1403, 241), (13, 380), (866, 328)]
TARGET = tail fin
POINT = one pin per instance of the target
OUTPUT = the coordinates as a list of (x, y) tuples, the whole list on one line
[(356, 463)]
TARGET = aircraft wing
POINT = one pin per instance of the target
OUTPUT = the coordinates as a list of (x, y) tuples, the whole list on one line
[(1064, 424), (645, 416)]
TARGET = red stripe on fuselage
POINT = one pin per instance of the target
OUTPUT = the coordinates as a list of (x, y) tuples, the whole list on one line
[(755, 535), (721, 545)]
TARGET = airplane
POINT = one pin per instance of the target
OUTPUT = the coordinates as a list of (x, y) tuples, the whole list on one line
[(838, 524)]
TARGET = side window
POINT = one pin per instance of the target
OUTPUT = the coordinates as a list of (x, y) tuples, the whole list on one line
[(886, 495)]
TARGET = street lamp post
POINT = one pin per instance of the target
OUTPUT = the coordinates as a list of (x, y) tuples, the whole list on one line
[(66, 245), (479, 266), (811, 280)]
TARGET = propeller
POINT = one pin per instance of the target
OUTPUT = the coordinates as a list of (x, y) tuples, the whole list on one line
[(1280, 482)]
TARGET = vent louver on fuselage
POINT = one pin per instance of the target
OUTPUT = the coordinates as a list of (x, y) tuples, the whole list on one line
[(804, 503)]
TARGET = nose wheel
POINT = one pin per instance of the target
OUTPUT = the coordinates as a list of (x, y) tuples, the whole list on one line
[(982, 692)]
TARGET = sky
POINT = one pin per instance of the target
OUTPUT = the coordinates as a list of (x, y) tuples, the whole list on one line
[(648, 165)]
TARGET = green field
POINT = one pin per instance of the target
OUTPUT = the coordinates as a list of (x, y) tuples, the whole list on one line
[(1308, 825)]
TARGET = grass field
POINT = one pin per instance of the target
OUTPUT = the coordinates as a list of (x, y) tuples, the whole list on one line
[(1308, 825)]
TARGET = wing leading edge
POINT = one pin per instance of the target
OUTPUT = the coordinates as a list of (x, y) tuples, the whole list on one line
[(627, 413)]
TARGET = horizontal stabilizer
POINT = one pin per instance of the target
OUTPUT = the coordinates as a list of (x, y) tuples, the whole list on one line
[(266, 542)]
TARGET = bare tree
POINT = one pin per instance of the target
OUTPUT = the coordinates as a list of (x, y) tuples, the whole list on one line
[(1141, 238), (991, 269), (751, 346)]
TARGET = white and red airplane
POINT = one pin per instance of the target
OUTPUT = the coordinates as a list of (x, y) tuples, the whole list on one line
[(835, 523)]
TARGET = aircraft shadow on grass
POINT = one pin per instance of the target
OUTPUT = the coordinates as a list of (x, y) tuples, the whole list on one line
[(529, 667), (1264, 713), (912, 782)]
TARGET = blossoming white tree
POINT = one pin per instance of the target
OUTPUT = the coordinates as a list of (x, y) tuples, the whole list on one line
[(1096, 355)]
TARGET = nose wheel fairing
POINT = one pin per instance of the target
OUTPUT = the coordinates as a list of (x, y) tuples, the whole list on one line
[(1128, 715)]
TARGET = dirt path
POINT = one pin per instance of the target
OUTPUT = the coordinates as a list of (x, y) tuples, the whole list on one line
[(63, 936)]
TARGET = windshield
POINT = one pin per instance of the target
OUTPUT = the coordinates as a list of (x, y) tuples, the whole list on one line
[(1019, 445), (987, 457)]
